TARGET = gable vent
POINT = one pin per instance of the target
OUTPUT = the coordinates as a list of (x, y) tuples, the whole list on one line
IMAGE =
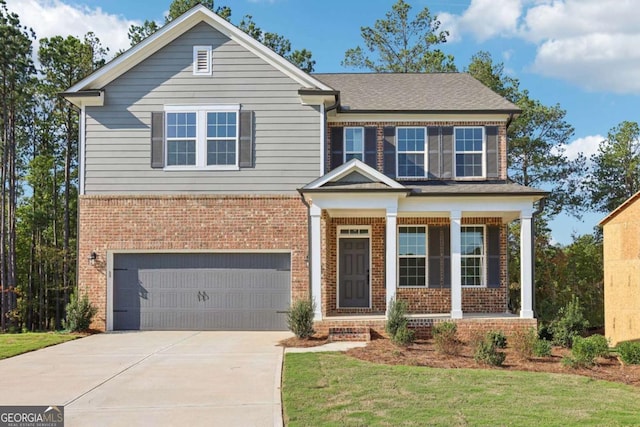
[(202, 60)]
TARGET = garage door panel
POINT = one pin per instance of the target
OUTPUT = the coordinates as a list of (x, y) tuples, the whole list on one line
[(201, 291)]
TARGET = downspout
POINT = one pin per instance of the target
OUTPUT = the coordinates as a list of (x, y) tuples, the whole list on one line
[(538, 211)]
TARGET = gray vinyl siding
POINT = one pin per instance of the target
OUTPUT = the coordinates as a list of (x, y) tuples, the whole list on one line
[(287, 133)]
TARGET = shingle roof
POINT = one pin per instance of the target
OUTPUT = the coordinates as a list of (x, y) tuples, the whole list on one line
[(440, 92), (488, 188)]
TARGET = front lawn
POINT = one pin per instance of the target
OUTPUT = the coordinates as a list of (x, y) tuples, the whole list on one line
[(14, 344), (332, 389)]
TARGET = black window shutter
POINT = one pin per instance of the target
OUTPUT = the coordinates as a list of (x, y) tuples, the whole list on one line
[(246, 139), (371, 147), (439, 256), (389, 151), (434, 150), (446, 255), (447, 152), (492, 151), (493, 256), (157, 139), (337, 153)]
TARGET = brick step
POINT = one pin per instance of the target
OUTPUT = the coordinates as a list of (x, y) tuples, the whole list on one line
[(349, 334)]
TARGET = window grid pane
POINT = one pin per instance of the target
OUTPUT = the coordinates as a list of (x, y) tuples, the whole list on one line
[(181, 153), (353, 144), (412, 260), (472, 256), (469, 145), (411, 151), (221, 152)]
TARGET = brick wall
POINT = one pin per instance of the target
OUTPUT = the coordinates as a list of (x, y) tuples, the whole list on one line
[(183, 223), (502, 138)]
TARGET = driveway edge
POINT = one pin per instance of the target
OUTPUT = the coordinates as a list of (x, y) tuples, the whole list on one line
[(277, 404)]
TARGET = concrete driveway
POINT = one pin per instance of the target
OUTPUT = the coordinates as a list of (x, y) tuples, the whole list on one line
[(154, 378)]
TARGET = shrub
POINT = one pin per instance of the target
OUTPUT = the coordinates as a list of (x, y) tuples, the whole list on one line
[(487, 352), (629, 352), (497, 338), (300, 318), (569, 324), (80, 312), (404, 336), (445, 338), (542, 348), (585, 350)]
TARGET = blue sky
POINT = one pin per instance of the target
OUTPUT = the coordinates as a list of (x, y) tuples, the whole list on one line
[(582, 54)]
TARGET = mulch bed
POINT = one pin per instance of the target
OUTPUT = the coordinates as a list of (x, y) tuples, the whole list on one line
[(313, 341), (423, 353)]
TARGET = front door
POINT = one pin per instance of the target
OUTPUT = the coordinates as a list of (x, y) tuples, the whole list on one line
[(353, 273)]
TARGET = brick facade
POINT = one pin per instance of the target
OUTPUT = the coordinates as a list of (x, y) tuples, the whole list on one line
[(502, 138), (188, 223)]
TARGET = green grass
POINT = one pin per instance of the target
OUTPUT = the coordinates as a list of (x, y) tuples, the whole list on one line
[(331, 389), (14, 344)]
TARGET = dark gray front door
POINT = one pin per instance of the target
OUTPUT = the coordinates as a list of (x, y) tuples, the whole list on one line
[(354, 272), (202, 291)]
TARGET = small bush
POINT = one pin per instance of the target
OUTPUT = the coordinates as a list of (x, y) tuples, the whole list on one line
[(497, 338), (585, 350), (445, 338), (542, 348), (300, 318), (397, 317), (80, 312), (487, 352), (629, 352), (404, 336), (569, 324)]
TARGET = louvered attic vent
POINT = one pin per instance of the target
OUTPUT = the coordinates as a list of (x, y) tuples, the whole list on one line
[(202, 60)]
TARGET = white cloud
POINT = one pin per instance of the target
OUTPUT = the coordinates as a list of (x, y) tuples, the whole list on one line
[(484, 19), (53, 17), (587, 146)]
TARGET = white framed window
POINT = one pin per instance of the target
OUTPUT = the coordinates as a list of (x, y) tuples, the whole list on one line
[(411, 143), (353, 143), (473, 255), (202, 61), (412, 256), (202, 137), (469, 152)]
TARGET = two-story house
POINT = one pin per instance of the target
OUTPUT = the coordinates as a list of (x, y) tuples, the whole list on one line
[(218, 183)]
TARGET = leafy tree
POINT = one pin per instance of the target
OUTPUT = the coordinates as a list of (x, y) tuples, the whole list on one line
[(493, 76), (615, 174), (402, 45)]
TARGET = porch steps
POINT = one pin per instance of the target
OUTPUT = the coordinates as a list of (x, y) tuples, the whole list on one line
[(353, 333)]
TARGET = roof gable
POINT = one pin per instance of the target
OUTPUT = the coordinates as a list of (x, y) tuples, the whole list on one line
[(174, 29), (352, 174), (620, 208)]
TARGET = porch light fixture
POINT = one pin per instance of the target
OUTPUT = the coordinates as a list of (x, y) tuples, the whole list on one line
[(92, 257)]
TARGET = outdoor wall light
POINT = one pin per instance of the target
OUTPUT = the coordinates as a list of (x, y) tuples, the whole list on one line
[(92, 257)]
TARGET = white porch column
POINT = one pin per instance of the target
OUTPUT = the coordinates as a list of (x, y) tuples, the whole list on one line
[(526, 266), (391, 255), (315, 261), (456, 265)]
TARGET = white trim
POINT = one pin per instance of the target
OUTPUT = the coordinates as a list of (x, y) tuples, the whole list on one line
[(323, 138), (456, 265), (83, 148), (425, 153), (209, 64), (344, 143), (352, 236), (526, 265), (316, 259), (175, 29), (426, 256), (110, 265), (346, 168), (401, 118), (201, 136), (485, 256), (484, 154), (391, 235)]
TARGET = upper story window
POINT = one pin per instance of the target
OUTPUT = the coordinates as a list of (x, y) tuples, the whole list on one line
[(202, 137), (411, 149), (202, 61), (412, 256), (469, 152), (472, 256), (353, 143)]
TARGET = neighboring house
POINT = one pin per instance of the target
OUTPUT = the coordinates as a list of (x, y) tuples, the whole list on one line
[(218, 183), (621, 230)]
